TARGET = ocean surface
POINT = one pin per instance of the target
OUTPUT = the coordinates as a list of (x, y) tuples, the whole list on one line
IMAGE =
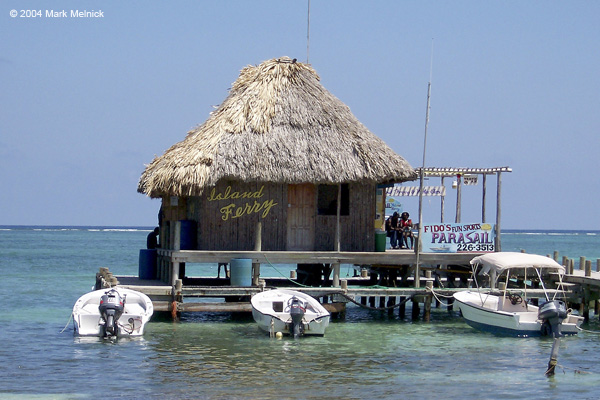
[(369, 355)]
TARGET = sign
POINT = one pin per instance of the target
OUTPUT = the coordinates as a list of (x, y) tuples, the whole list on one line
[(397, 191), (458, 238), (379, 209), (392, 205), (470, 180), (253, 203)]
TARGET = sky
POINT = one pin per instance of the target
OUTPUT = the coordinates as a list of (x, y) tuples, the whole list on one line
[(86, 103)]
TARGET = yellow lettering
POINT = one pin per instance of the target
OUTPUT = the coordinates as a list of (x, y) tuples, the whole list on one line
[(212, 195), (232, 211), (226, 211), (259, 193), (267, 205), (229, 195)]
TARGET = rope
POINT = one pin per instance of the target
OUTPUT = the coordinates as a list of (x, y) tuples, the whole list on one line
[(586, 331), (437, 298), (350, 299), (575, 371), (68, 322), (294, 282), (374, 308)]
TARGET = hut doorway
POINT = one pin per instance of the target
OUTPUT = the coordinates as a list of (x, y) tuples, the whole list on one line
[(301, 217)]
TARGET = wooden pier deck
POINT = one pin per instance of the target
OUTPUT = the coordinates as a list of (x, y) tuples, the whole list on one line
[(174, 294)]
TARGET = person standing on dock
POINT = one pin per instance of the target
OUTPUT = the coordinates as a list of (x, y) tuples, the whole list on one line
[(152, 239), (393, 230)]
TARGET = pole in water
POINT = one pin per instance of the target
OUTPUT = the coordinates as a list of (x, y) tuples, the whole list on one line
[(553, 356)]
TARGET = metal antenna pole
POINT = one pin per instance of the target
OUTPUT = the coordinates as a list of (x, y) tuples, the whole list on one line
[(422, 174), (308, 33)]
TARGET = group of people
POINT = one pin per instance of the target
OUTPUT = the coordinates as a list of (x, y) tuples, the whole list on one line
[(399, 230)]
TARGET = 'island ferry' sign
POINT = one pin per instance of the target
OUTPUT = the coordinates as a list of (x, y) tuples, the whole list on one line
[(251, 203)]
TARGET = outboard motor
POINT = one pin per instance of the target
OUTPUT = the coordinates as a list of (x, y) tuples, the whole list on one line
[(552, 313), (111, 308), (297, 311)]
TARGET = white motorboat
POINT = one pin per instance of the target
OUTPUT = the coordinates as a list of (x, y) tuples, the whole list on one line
[(114, 312), (289, 312), (509, 313)]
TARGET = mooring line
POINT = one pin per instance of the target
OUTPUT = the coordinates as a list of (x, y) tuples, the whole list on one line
[(68, 322)]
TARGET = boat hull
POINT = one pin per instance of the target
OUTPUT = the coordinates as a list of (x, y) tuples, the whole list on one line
[(270, 310), (137, 311), (481, 311)]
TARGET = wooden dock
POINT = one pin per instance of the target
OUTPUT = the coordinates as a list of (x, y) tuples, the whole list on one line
[(174, 294)]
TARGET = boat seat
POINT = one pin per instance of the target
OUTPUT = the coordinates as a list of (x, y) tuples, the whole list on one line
[(506, 305)]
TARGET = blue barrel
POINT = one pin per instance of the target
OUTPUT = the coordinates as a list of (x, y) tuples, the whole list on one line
[(188, 235), (240, 272), (147, 268)]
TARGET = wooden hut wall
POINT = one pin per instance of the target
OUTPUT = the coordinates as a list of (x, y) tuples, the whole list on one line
[(227, 216), (172, 210), (356, 228)]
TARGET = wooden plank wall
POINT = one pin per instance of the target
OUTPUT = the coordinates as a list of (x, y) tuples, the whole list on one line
[(172, 211), (218, 230), (356, 229)]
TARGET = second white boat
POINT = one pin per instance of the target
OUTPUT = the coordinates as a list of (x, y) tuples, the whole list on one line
[(289, 312)]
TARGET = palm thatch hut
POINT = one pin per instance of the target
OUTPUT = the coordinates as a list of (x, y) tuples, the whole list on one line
[(280, 150)]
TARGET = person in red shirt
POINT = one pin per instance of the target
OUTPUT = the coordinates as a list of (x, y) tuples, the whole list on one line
[(406, 226)]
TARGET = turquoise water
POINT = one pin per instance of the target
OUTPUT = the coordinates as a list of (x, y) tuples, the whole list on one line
[(216, 356)]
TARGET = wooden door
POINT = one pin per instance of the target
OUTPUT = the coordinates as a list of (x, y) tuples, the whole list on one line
[(301, 210)]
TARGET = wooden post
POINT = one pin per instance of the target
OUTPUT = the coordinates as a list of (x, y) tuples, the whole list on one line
[(586, 304), (458, 199), (337, 225), (442, 204), (588, 268), (555, 257), (402, 308), (427, 312), (571, 266), (177, 236), (598, 265), (391, 302), (483, 198), (175, 298), (581, 263), (257, 247), (372, 301), (415, 309), (174, 272), (336, 274)]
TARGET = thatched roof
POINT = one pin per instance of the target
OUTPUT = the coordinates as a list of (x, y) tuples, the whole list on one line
[(278, 124)]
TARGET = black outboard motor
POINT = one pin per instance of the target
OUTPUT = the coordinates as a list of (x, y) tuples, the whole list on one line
[(552, 313), (297, 311), (111, 308)]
